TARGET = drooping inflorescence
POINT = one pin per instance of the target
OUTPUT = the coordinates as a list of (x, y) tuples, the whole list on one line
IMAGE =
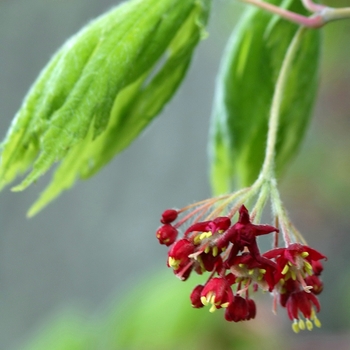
[(230, 254)]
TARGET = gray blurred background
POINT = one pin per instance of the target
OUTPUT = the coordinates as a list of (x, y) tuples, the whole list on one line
[(98, 239)]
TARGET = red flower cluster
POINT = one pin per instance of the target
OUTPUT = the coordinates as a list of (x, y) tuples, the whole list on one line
[(231, 255)]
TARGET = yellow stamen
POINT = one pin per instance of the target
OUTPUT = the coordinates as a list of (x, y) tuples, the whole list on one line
[(225, 304), (309, 325), (213, 308), (304, 254), (293, 274), (215, 251), (207, 250), (262, 271), (250, 272), (285, 269), (317, 322), (174, 263), (295, 326), (205, 235), (301, 324), (307, 265), (204, 300), (241, 265), (197, 240)]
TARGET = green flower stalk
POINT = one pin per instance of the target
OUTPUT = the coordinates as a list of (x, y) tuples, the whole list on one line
[(228, 250)]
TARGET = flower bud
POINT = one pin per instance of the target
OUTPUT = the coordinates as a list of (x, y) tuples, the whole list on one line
[(166, 234)]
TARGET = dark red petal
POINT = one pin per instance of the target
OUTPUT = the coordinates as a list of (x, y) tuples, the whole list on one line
[(222, 223), (314, 254), (273, 253), (251, 309), (264, 229), (199, 226), (243, 215), (196, 296)]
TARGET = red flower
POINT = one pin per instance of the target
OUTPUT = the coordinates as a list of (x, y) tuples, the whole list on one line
[(178, 258), (245, 266), (295, 261), (240, 309), (303, 303), (243, 234), (216, 292)]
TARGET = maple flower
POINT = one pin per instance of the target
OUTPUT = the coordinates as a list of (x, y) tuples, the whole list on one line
[(246, 268), (240, 309), (178, 258), (243, 234), (230, 253), (305, 304), (296, 261), (217, 292)]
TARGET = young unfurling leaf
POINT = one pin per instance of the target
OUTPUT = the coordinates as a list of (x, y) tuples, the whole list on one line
[(100, 90), (245, 87)]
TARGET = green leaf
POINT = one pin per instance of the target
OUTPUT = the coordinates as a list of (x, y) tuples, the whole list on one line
[(244, 91), (100, 90)]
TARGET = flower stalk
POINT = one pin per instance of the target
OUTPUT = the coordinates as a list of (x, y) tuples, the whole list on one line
[(215, 242)]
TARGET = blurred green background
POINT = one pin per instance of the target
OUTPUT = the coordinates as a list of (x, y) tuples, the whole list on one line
[(88, 273)]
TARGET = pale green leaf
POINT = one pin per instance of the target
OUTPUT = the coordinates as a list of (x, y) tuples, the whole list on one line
[(100, 90)]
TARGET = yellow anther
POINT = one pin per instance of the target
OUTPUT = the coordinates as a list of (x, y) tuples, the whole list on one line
[(166, 240), (215, 251), (304, 254), (207, 249), (205, 235), (301, 324), (317, 322), (285, 269), (221, 231), (174, 263), (282, 281), (225, 304), (309, 325), (212, 299), (290, 263), (307, 265), (241, 265), (213, 308), (223, 249), (262, 271), (204, 300), (197, 240), (293, 274), (260, 277), (250, 272), (295, 326), (202, 236)]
